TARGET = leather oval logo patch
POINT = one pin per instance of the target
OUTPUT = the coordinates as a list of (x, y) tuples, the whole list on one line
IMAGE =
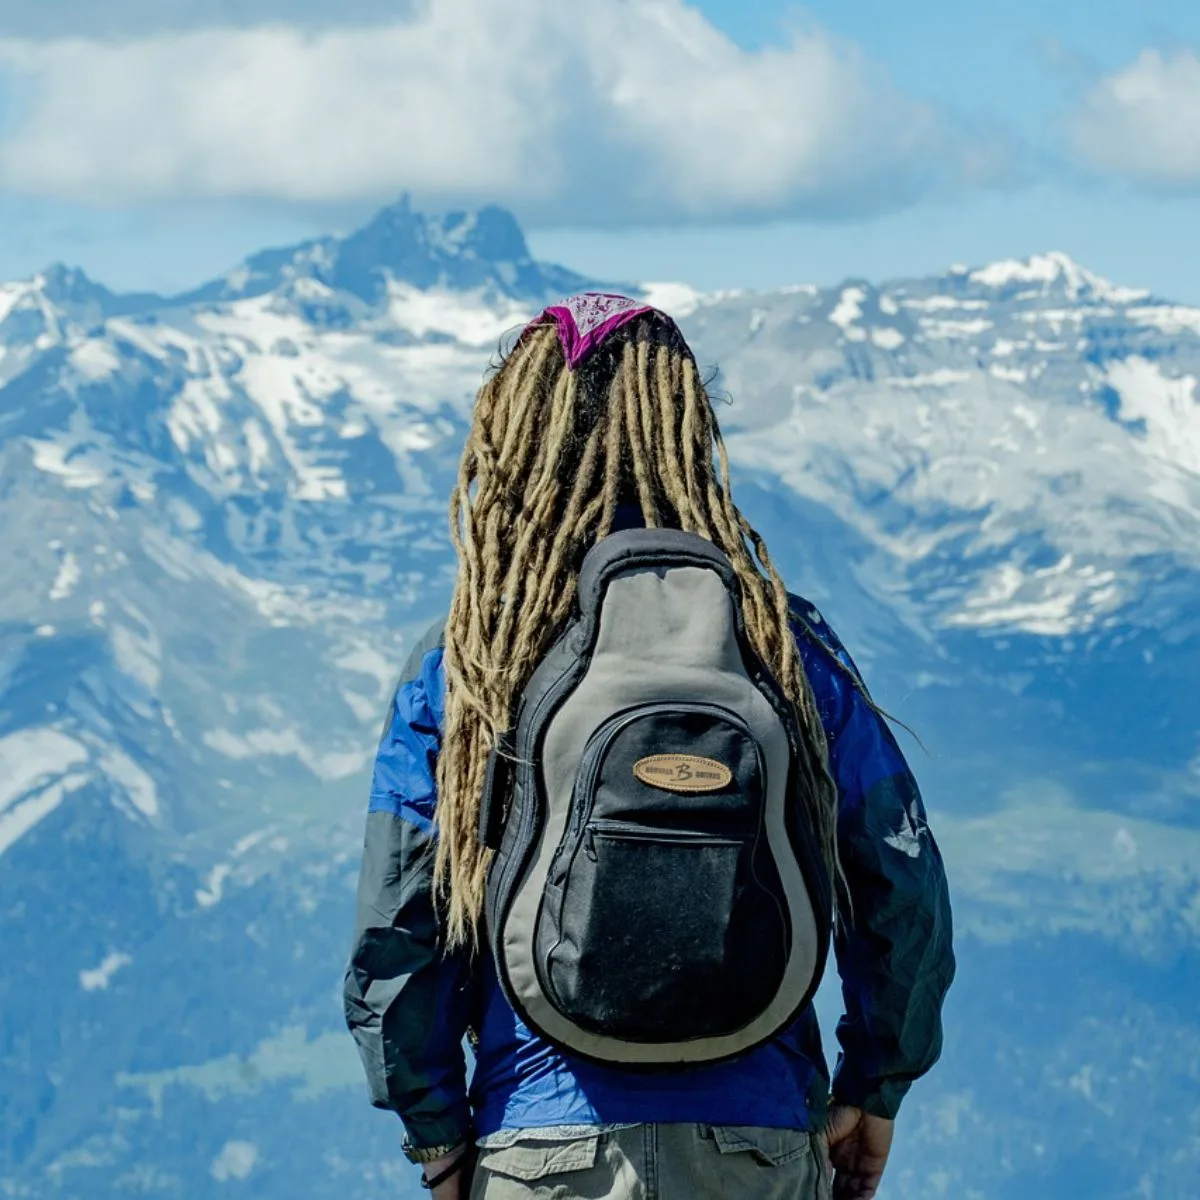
[(683, 773)]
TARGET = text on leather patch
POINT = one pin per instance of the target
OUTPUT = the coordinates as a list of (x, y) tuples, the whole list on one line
[(683, 772)]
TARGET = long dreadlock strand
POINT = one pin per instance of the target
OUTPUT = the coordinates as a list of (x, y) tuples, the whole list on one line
[(517, 423), (572, 518), (668, 415), (693, 406), (613, 451), (649, 416), (628, 386)]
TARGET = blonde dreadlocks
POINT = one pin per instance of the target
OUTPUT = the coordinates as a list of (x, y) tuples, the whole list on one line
[(550, 454)]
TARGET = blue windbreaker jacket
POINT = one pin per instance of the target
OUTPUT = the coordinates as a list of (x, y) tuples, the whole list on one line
[(410, 1006)]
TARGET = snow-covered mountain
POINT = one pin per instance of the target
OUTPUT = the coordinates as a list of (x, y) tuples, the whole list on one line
[(223, 517)]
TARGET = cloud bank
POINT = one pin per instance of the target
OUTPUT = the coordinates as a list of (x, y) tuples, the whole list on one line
[(613, 112), (1142, 122)]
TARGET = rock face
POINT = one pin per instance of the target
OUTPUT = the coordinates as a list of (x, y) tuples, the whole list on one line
[(224, 518), (460, 251)]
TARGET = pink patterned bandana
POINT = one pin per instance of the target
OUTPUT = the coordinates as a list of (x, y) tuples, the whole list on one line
[(584, 321)]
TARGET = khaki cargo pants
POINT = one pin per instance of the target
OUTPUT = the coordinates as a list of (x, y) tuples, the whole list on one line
[(659, 1162)]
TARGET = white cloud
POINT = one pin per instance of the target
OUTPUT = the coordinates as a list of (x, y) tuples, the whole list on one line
[(100, 977), (610, 111), (1143, 121), (236, 1161)]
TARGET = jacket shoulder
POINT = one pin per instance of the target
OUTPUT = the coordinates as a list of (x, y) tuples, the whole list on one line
[(808, 622), (813, 632), (415, 673), (434, 638)]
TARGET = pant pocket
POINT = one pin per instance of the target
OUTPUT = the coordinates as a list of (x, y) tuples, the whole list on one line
[(531, 1160), (770, 1147)]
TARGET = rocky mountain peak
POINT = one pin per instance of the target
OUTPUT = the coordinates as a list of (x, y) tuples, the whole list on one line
[(1049, 273), (481, 250)]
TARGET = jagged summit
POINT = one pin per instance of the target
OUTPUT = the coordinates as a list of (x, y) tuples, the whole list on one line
[(399, 236), (65, 283), (481, 251), (60, 290), (1053, 270), (458, 251)]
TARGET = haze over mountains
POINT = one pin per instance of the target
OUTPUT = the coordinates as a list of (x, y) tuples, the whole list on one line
[(223, 517)]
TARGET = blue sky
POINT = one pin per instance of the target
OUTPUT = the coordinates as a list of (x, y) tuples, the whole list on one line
[(723, 142), (1017, 63)]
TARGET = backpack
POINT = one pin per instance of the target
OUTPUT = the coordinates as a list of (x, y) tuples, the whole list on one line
[(656, 897)]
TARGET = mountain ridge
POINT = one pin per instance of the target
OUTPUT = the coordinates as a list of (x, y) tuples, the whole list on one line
[(431, 245)]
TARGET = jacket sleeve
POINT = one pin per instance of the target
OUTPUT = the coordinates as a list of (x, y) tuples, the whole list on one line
[(406, 1002), (894, 940)]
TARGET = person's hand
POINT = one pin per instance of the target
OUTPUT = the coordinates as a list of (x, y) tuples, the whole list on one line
[(858, 1149), (458, 1185)]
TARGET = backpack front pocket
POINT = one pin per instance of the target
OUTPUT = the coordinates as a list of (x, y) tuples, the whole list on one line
[(664, 933)]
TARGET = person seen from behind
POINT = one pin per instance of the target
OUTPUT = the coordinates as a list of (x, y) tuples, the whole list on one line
[(627, 793)]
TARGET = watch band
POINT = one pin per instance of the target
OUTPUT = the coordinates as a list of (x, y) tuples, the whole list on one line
[(463, 1162), (424, 1154)]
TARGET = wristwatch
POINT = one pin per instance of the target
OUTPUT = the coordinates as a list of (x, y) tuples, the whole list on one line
[(425, 1154)]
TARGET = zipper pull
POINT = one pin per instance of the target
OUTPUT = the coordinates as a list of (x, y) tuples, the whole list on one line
[(589, 846)]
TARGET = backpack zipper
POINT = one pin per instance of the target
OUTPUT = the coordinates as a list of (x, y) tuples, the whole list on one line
[(602, 739), (628, 831)]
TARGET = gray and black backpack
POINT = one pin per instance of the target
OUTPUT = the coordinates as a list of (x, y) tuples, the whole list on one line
[(657, 897)]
